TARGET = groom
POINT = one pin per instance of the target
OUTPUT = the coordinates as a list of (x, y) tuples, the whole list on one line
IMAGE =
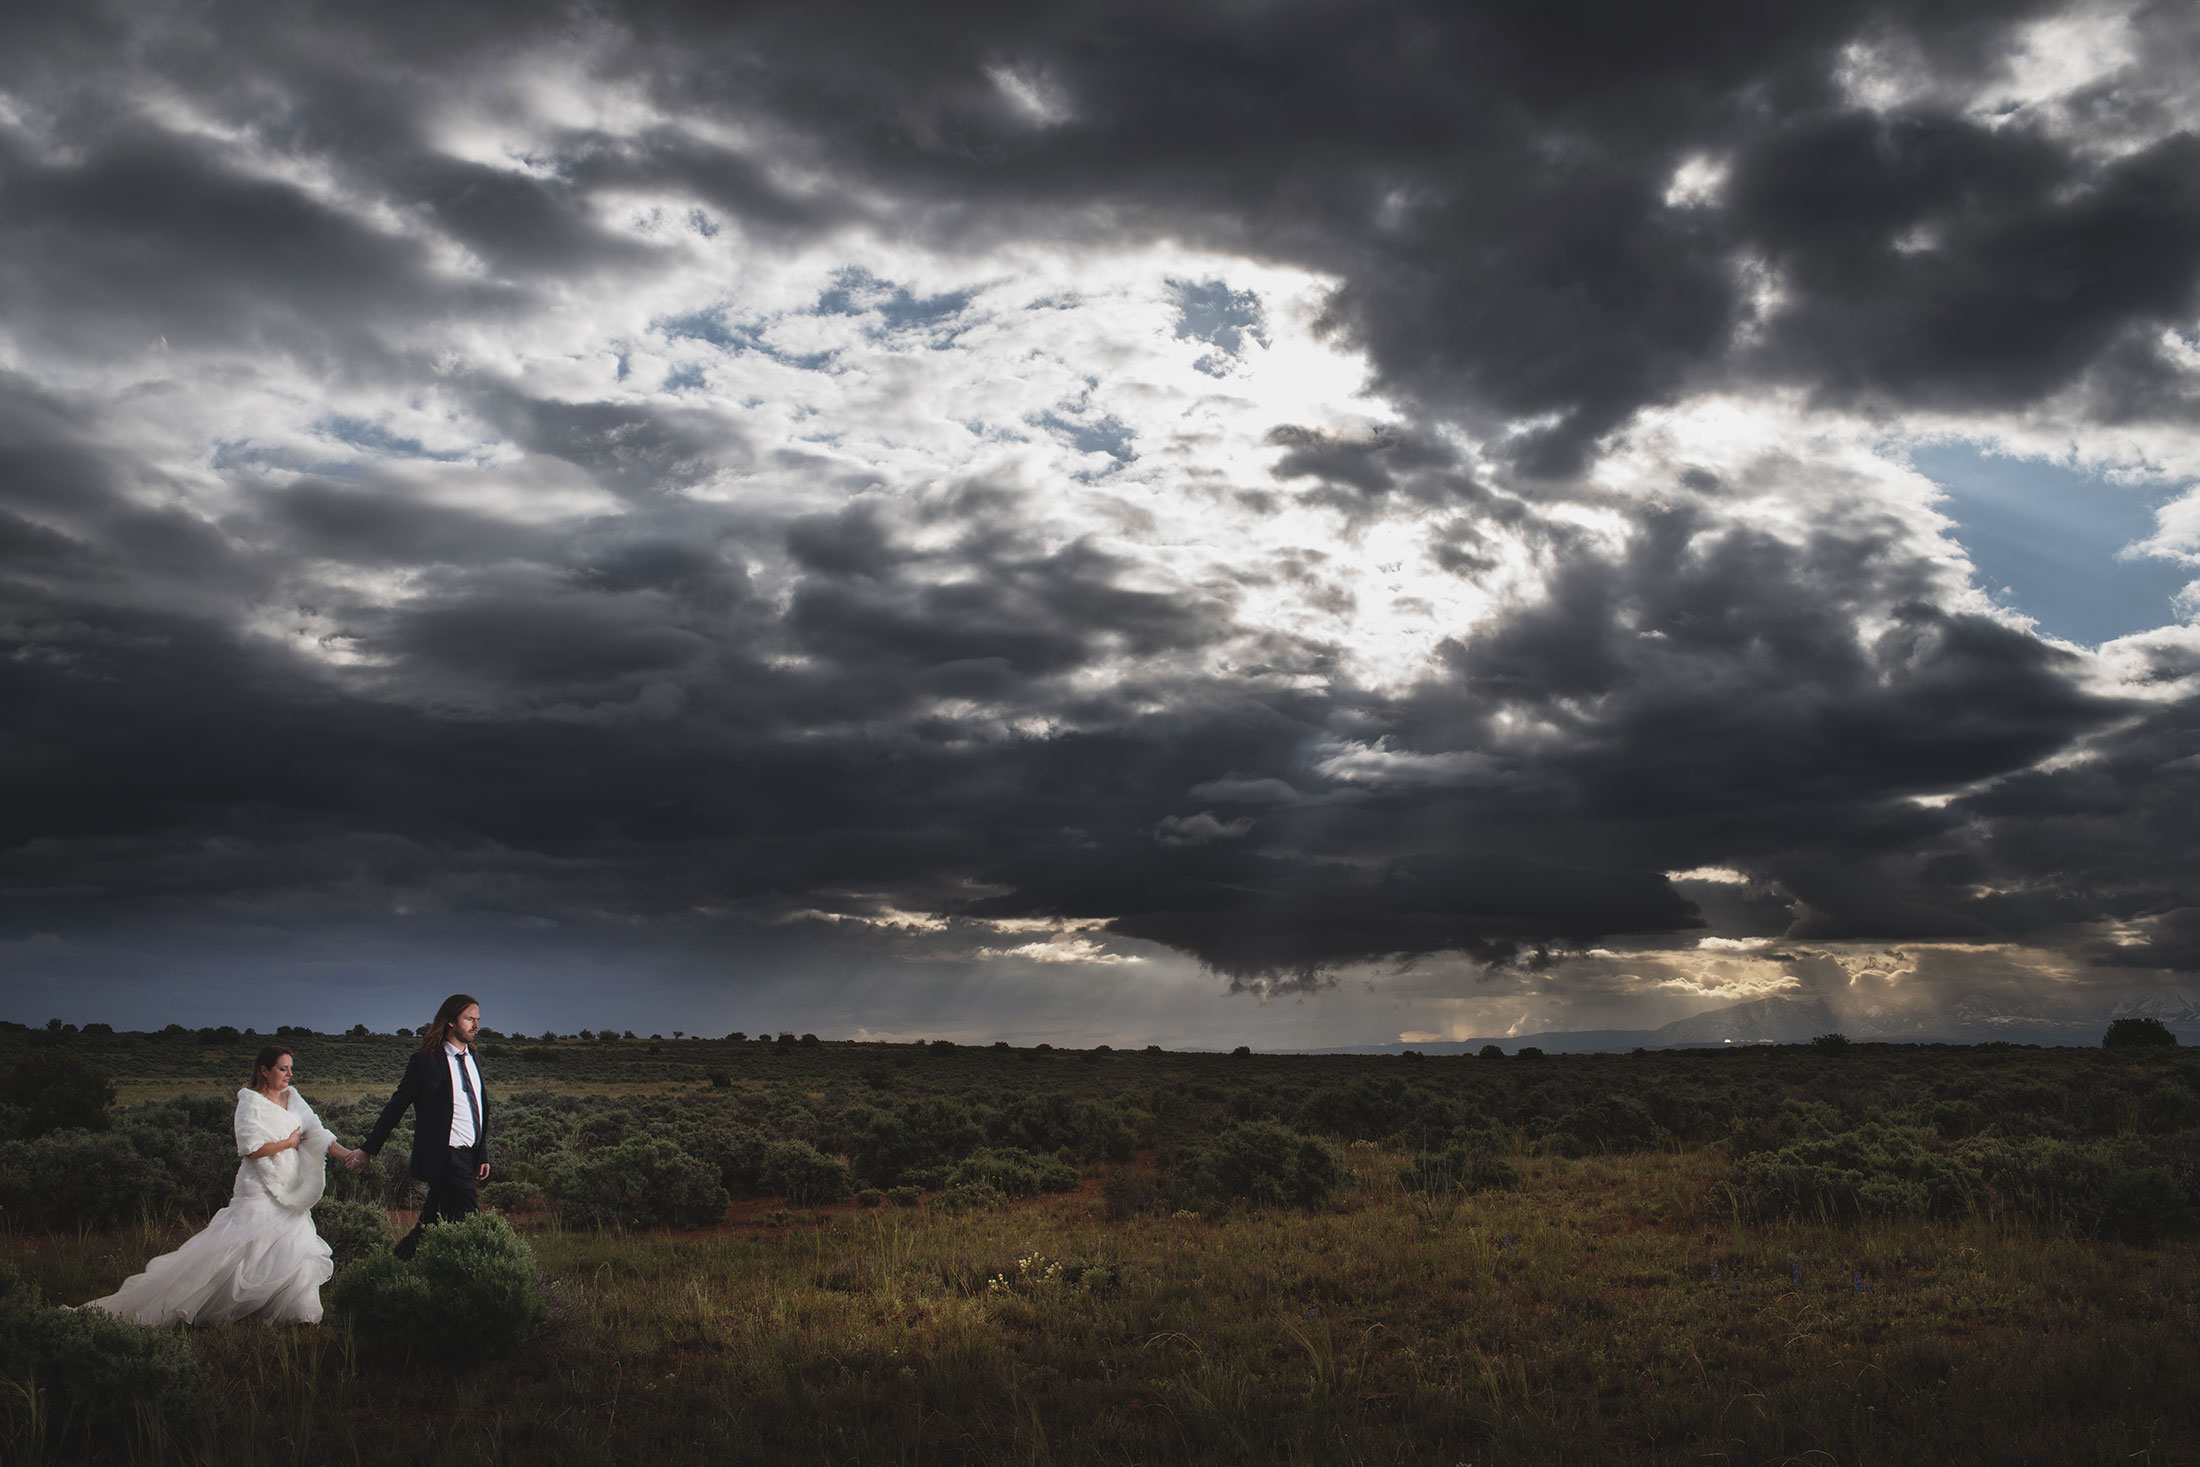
[(442, 1085)]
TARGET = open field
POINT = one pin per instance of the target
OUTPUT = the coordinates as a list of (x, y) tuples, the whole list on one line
[(1635, 1296)]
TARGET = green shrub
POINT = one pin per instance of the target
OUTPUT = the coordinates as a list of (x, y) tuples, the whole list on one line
[(904, 1196), (84, 1380), (1956, 1119), (1874, 1171), (1014, 1172), (604, 1129), (803, 1175), (1128, 1192), (1471, 1163), (1091, 1130), (512, 1196), (974, 1197), (468, 1293), (352, 1230), (2138, 1034), (190, 1139), (870, 1197), (56, 1090), (1793, 1121), (920, 1135), (1832, 1043), (1369, 1109), (1614, 1123), (1264, 1164), (79, 1179), (2093, 1190), (648, 1182)]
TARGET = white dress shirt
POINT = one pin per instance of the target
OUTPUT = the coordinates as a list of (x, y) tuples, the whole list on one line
[(462, 1113)]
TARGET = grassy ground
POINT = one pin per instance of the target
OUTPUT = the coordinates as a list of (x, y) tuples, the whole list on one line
[(1603, 1312)]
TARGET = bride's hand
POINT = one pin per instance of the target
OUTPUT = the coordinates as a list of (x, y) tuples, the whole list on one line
[(297, 1139)]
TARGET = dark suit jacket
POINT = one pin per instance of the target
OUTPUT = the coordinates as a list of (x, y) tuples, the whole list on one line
[(428, 1090)]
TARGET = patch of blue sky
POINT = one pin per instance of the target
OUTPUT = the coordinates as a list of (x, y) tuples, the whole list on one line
[(1210, 311), (684, 379), (2046, 541), (713, 327), (857, 292), (733, 337), (1102, 435), (373, 438), (376, 446), (232, 454)]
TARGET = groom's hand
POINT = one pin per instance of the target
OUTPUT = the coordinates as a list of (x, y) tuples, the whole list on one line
[(483, 1174)]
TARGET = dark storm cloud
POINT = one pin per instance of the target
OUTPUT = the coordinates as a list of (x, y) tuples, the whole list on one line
[(2103, 838), (707, 704), (1490, 182), (1938, 259), (148, 237), (1258, 917)]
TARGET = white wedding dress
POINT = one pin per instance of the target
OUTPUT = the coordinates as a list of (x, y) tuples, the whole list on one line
[(260, 1256)]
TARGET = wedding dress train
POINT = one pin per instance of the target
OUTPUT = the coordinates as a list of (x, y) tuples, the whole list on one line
[(260, 1256)]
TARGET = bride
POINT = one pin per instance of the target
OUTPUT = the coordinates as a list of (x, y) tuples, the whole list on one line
[(260, 1255)]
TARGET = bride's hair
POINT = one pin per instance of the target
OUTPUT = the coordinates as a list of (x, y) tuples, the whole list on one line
[(266, 1062), (437, 1034)]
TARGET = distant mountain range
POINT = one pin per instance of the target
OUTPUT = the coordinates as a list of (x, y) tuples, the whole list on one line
[(1785, 1020)]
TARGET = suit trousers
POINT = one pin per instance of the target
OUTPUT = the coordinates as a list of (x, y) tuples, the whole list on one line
[(450, 1197)]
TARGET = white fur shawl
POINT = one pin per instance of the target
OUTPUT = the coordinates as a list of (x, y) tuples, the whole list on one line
[(293, 1178)]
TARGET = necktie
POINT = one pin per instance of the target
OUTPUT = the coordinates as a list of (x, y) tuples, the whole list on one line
[(473, 1101)]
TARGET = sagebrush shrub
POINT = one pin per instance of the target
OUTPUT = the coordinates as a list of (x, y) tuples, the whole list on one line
[(1013, 1172), (84, 1379), (1874, 1171), (648, 1182), (1264, 1164), (512, 1196), (971, 1197), (352, 1230), (191, 1139), (1471, 1163), (2092, 1189), (803, 1175), (81, 1179), (1612, 1123), (56, 1090), (1128, 1192), (469, 1292)]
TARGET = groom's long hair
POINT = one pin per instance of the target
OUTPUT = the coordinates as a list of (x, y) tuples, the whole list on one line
[(436, 1035)]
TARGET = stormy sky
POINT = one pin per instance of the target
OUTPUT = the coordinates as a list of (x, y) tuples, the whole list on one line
[(1206, 522)]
